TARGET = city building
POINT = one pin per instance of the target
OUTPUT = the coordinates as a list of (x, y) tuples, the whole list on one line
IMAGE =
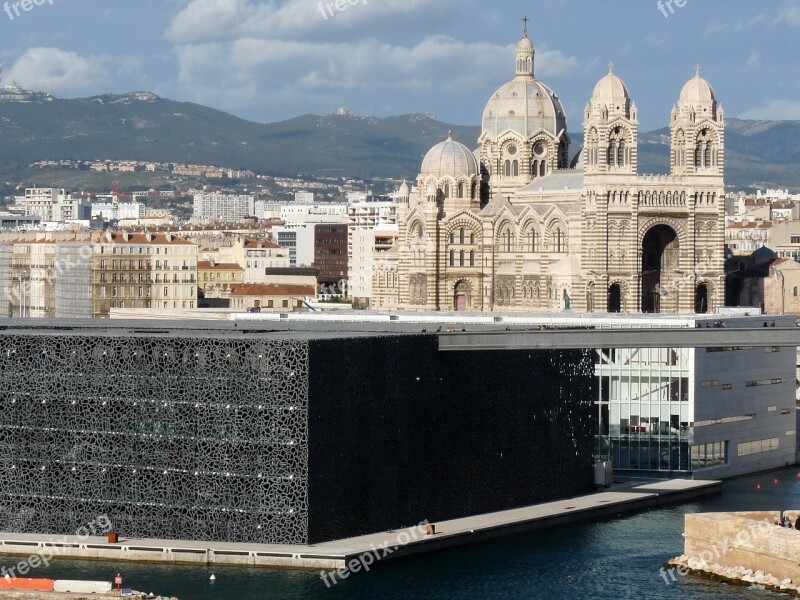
[(212, 274), (224, 207), (518, 226), (271, 296), (116, 211), (330, 258), (372, 228), (298, 241), (143, 270)]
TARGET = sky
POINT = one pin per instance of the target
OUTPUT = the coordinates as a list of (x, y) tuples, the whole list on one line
[(270, 60)]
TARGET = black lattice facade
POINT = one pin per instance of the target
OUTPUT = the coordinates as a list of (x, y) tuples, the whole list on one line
[(257, 438)]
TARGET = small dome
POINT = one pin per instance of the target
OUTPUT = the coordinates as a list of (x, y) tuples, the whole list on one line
[(525, 44), (449, 158), (404, 189), (611, 89), (697, 92)]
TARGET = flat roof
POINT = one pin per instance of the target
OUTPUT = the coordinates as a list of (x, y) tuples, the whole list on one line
[(351, 324)]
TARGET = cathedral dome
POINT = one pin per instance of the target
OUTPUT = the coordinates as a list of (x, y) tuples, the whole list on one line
[(524, 106), (449, 158), (611, 90), (697, 92)]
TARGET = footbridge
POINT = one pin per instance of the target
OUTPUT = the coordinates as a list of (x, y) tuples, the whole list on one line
[(567, 339)]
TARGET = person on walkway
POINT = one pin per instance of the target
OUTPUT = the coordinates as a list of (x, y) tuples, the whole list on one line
[(797, 524)]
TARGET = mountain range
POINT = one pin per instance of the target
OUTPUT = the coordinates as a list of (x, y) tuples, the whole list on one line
[(143, 126)]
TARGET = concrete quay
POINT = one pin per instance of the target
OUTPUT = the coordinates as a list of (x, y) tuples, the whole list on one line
[(618, 499)]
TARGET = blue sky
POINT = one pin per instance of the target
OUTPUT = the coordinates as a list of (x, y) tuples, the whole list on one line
[(268, 60)]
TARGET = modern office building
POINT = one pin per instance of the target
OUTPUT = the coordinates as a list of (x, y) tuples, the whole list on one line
[(216, 432), (669, 412)]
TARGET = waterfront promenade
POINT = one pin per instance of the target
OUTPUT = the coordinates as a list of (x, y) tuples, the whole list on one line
[(621, 498)]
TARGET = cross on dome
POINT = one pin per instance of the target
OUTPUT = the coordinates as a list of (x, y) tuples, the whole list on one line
[(697, 70), (611, 67), (525, 20)]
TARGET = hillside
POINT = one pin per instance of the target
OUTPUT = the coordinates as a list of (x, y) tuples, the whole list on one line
[(142, 126)]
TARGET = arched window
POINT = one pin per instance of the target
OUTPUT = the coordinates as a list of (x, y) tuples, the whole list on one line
[(460, 190), (612, 153), (542, 168), (461, 258), (472, 258), (471, 237), (558, 240), (533, 240), (515, 168), (795, 291), (452, 237), (535, 169), (621, 153), (698, 155), (446, 190), (508, 168), (452, 258), (708, 154), (461, 236)]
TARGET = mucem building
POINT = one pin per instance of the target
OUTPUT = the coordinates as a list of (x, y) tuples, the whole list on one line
[(236, 433)]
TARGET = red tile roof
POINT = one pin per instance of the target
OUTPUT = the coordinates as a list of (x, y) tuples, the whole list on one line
[(272, 289)]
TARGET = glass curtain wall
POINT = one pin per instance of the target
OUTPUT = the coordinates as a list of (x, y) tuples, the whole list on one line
[(645, 421)]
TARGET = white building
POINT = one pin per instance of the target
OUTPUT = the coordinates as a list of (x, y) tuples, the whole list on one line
[(372, 227), (114, 211), (225, 207), (298, 239), (304, 197), (364, 244), (294, 214)]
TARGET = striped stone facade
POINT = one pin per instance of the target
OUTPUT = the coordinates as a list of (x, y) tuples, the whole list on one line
[(539, 236)]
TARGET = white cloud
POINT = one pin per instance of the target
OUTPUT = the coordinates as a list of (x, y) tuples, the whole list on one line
[(61, 72), (790, 13), (247, 71), (217, 20), (754, 60), (776, 110)]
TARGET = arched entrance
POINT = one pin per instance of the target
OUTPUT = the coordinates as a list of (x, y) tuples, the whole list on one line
[(615, 298), (660, 248), (701, 299), (460, 296)]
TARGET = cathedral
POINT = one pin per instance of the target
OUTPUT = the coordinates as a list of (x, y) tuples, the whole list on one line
[(514, 226)]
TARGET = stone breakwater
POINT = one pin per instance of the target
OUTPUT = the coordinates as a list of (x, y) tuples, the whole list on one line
[(735, 574), (750, 548)]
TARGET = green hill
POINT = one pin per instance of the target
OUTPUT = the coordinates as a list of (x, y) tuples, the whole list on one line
[(142, 126)]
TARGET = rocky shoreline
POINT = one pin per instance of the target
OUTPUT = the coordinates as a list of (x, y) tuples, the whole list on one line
[(740, 575)]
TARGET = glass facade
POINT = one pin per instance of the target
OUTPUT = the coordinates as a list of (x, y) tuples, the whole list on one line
[(644, 409)]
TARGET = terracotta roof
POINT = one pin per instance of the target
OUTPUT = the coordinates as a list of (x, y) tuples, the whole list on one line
[(272, 289), (118, 237), (752, 225), (206, 265), (260, 244)]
